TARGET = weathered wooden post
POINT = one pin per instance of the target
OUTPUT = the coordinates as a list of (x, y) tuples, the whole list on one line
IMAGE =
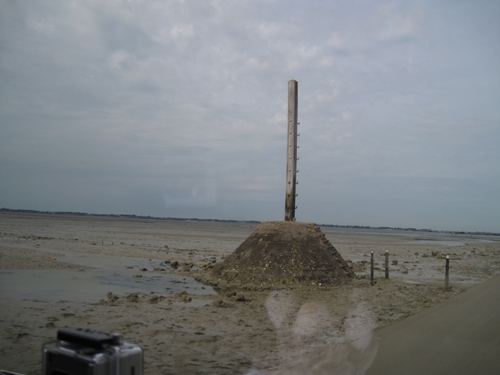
[(291, 156), (447, 274), (371, 270), (387, 264)]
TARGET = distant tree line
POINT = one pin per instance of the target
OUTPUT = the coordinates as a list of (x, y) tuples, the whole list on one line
[(129, 216)]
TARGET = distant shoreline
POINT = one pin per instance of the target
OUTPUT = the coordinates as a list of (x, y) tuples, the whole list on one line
[(131, 216)]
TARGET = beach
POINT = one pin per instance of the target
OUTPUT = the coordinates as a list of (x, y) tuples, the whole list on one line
[(137, 276)]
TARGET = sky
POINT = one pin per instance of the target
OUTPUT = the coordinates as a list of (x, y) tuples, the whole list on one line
[(179, 109)]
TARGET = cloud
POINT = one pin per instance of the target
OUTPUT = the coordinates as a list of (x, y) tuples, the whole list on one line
[(121, 93), (336, 41), (397, 24), (118, 59), (274, 31), (179, 31)]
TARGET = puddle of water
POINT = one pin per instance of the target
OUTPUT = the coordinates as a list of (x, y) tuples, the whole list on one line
[(90, 285), (431, 242), (113, 262), (119, 275)]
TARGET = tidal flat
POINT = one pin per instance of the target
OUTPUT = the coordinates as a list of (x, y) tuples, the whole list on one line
[(138, 277)]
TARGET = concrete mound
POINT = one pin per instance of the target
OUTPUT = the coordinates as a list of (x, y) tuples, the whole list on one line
[(284, 253)]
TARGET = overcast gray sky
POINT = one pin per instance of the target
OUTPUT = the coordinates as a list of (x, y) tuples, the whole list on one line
[(178, 109)]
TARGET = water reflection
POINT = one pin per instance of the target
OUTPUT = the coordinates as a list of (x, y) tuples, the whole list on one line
[(91, 284)]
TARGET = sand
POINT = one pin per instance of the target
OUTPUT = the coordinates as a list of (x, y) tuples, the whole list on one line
[(137, 277)]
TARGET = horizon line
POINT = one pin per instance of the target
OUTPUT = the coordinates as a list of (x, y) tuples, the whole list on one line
[(134, 216)]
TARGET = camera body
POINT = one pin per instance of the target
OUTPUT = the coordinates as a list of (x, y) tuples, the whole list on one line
[(79, 351)]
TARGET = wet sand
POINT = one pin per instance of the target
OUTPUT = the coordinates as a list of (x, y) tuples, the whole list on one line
[(137, 277)]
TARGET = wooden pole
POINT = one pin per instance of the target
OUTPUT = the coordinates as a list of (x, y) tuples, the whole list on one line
[(387, 264), (291, 157), (447, 273), (371, 270)]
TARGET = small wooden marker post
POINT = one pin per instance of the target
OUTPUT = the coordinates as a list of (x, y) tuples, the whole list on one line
[(371, 270), (291, 155), (447, 274), (387, 264)]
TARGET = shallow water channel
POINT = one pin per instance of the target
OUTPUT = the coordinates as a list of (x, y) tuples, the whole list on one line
[(118, 275)]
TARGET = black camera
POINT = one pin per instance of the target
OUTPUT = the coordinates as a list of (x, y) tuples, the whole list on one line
[(79, 351)]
